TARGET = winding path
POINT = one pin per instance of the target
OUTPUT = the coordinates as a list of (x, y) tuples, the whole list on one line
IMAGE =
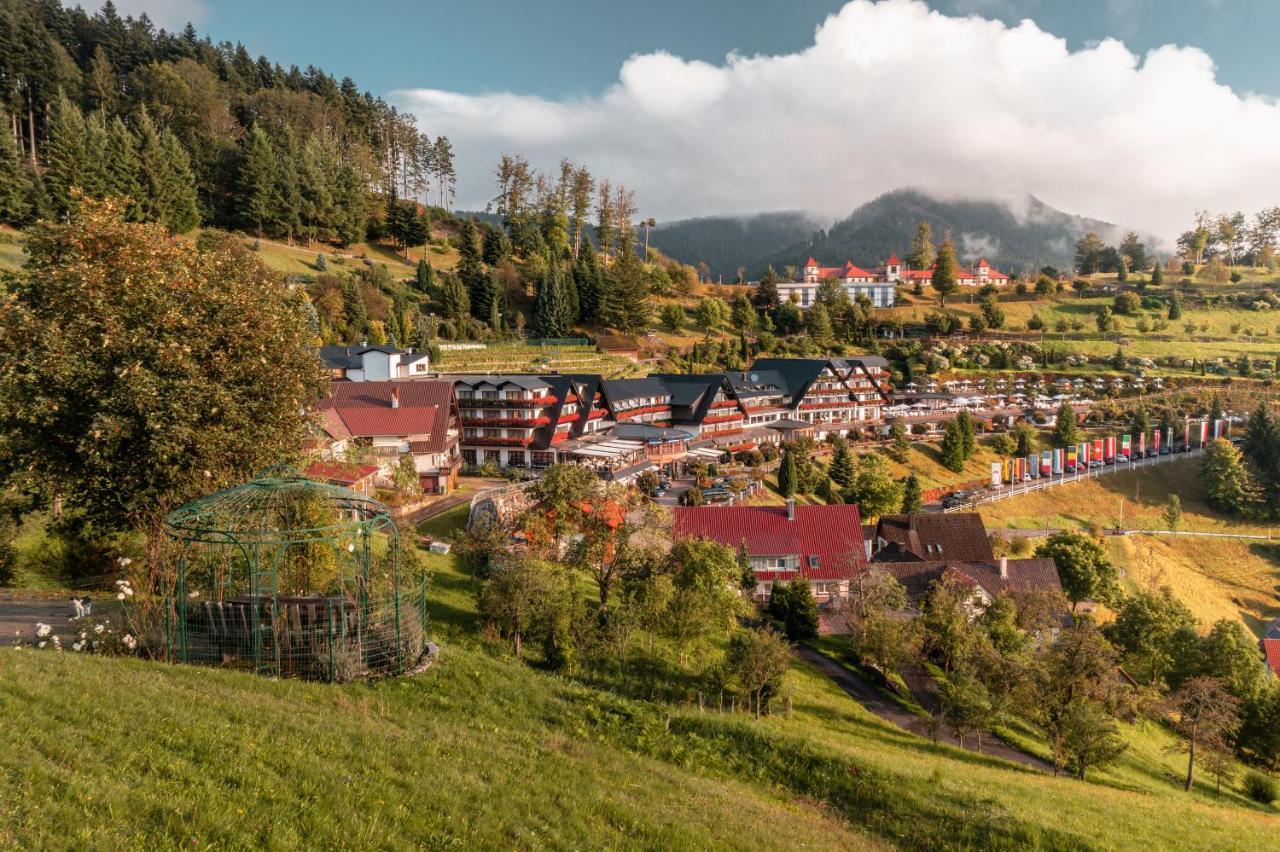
[(892, 712)]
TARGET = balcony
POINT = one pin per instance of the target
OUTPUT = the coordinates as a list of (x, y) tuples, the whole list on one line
[(641, 411), (736, 417), (517, 422), (502, 403), (497, 442)]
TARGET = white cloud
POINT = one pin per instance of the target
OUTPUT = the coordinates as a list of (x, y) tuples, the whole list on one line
[(171, 15), (891, 94)]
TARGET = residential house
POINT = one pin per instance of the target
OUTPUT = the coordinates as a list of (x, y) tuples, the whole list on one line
[(822, 544), (366, 363), (360, 478), (391, 418), (931, 537)]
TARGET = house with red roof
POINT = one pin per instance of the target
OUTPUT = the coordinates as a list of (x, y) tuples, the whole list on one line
[(360, 478), (1271, 646), (391, 418), (822, 544), (878, 284)]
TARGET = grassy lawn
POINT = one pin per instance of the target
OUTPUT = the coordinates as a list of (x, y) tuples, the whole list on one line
[(1215, 577)]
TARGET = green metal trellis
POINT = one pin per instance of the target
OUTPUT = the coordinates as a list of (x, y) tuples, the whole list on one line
[(292, 577)]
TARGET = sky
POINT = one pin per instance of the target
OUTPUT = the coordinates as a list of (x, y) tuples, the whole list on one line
[(1135, 111)]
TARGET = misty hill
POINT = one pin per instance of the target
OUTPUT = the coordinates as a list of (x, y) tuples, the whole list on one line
[(726, 242), (1016, 240)]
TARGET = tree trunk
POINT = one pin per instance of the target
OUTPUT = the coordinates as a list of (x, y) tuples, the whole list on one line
[(1191, 765), (515, 643), (31, 130)]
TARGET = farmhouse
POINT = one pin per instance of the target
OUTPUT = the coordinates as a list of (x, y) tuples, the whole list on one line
[(930, 537), (822, 544)]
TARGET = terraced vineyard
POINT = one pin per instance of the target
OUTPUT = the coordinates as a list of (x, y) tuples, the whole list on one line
[(522, 358)]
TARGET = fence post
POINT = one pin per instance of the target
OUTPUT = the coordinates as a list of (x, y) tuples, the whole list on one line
[(332, 673)]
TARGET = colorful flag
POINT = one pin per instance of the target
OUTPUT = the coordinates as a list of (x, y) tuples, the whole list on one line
[(1155, 439), (1096, 453), (1084, 453), (1126, 448), (995, 473), (1186, 433), (1046, 463), (1059, 455), (1109, 448), (1217, 429), (1204, 433), (1072, 455), (1142, 443)]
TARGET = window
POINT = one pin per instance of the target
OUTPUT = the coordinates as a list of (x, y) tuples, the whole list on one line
[(775, 563), (814, 561)]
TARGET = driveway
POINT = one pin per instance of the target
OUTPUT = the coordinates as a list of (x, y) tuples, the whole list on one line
[(889, 710)]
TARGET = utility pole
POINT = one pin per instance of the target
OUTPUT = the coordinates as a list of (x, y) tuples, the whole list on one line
[(1121, 525)]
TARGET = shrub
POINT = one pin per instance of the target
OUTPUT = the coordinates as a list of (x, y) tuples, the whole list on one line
[(1260, 787)]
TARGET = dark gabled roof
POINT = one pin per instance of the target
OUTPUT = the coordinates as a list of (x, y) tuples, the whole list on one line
[(347, 357), (753, 383), (959, 536), (786, 424), (1030, 575), (861, 361), (621, 390), (520, 380), (833, 534)]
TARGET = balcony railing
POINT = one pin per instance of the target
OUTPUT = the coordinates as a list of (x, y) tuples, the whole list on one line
[(642, 410), (517, 422), (501, 403), (497, 442)]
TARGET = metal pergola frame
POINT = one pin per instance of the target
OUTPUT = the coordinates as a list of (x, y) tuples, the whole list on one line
[(250, 524)]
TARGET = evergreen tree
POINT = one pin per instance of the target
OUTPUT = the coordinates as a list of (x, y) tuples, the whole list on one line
[(65, 158), (287, 199), (1065, 433), (454, 301), (425, 278), (1227, 484), (818, 324), (353, 311), (122, 168), (1262, 448), (15, 180), (953, 443), (964, 422), (1157, 274), (788, 477), (486, 303), (1175, 307), (587, 279), (841, 470), (921, 254), (181, 205), (626, 297), (469, 270), (551, 307), (912, 494), (257, 180), (944, 271), (350, 204)]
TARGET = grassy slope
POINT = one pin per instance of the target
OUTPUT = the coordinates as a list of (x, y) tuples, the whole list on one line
[(1217, 578), (482, 751)]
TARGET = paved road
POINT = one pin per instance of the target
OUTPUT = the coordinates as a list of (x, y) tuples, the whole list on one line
[(892, 712)]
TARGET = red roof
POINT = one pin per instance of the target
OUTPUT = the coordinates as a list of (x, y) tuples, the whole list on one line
[(983, 262), (893, 260), (335, 471), (810, 262), (1271, 647), (851, 271), (832, 534), (423, 412)]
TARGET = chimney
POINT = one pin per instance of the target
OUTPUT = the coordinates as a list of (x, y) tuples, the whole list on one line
[(1004, 567), (791, 508), (395, 397)]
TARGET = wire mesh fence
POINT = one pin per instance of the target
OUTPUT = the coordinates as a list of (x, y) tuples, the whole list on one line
[(338, 638)]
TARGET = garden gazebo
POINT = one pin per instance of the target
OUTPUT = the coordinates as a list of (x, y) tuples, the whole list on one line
[(293, 578)]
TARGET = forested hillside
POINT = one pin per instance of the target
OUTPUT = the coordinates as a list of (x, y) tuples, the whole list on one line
[(725, 243), (197, 133), (1016, 240)]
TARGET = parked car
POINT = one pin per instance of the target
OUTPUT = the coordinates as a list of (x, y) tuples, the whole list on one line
[(1122, 459), (1164, 451)]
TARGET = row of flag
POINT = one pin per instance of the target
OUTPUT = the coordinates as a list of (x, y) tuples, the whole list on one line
[(1106, 449)]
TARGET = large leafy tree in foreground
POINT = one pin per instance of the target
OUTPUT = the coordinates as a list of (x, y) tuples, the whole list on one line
[(137, 372)]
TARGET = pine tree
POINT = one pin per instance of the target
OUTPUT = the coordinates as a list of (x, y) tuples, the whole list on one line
[(944, 271), (65, 159), (964, 422), (587, 279), (841, 470), (1227, 484), (1065, 433), (899, 442), (122, 168), (486, 303), (168, 193), (921, 255), (953, 442), (287, 200), (15, 180), (257, 180), (425, 278), (350, 206), (626, 296), (551, 307), (1175, 307), (454, 301), (788, 478), (353, 311), (1157, 275), (912, 495)]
